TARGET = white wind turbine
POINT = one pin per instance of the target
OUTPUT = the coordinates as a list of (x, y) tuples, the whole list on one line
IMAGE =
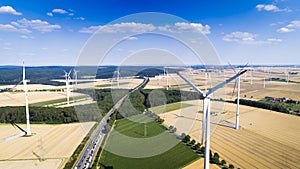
[(68, 79), (167, 76), (26, 132), (118, 78), (287, 75), (206, 111), (238, 83), (75, 77)]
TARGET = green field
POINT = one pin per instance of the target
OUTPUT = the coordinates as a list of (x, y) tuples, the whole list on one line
[(169, 107), (176, 157), (45, 103), (135, 128)]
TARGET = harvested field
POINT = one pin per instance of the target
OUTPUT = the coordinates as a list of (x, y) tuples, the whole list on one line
[(32, 164), (267, 139), (18, 99), (58, 143)]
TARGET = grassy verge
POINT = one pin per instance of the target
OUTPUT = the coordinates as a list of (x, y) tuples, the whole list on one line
[(169, 107)]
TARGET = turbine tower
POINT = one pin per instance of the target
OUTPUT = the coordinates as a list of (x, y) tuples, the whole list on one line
[(286, 75), (75, 77), (238, 83), (206, 111), (167, 76), (237, 115), (68, 78), (28, 131)]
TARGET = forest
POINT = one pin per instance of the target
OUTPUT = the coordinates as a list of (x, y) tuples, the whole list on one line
[(139, 100), (12, 75)]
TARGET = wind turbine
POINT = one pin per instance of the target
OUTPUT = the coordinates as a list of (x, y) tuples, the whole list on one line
[(68, 78), (167, 75), (206, 76), (75, 77), (28, 131), (286, 75), (238, 82), (206, 111), (116, 77)]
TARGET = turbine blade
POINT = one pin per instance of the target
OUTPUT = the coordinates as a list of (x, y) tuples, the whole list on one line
[(232, 67), (243, 67), (192, 85), (234, 87), (225, 82), (23, 70)]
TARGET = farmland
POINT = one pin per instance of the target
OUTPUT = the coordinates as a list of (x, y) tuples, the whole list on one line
[(176, 157), (54, 143), (266, 138)]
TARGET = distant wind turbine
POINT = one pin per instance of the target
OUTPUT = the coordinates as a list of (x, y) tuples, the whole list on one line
[(68, 79)]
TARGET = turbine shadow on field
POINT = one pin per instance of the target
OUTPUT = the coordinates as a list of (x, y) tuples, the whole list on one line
[(35, 154)]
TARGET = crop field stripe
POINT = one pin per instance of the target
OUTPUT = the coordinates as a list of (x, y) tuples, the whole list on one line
[(271, 158)]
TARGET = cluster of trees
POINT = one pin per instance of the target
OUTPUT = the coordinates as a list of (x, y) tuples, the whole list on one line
[(172, 129), (170, 96), (50, 115), (275, 106), (214, 158)]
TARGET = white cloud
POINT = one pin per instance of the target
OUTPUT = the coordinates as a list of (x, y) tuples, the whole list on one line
[(26, 37), (141, 27), (120, 27), (131, 38), (71, 14), (80, 18), (39, 25), (11, 28), (166, 28), (50, 14), (274, 40), (292, 26), (198, 27), (239, 37), (60, 11), (248, 38), (9, 10), (271, 7), (285, 30)]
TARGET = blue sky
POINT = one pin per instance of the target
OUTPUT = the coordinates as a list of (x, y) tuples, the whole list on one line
[(52, 32)]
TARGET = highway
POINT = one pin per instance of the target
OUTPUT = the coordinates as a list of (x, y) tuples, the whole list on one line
[(89, 152)]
